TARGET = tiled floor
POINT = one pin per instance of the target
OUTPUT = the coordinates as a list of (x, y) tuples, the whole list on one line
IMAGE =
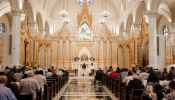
[(83, 88)]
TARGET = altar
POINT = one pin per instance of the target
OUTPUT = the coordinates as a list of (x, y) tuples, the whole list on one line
[(87, 70)]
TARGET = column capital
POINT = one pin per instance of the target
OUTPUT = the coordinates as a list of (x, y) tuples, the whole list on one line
[(32, 24), (152, 14), (41, 30), (136, 25), (16, 12)]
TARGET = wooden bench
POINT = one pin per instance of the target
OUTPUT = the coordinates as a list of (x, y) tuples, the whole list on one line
[(46, 92), (56, 83), (135, 94), (25, 96), (51, 89)]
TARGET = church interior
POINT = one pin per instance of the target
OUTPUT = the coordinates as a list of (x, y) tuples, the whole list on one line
[(87, 49)]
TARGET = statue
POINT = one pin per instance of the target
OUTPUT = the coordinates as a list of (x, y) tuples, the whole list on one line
[(84, 66)]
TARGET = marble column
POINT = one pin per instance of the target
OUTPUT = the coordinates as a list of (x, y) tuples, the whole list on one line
[(136, 34), (42, 34), (16, 28), (126, 35), (32, 28), (152, 40), (172, 37)]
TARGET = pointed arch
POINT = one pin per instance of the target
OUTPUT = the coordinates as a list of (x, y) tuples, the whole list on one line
[(140, 12), (121, 29), (129, 22), (47, 28), (27, 7), (39, 21)]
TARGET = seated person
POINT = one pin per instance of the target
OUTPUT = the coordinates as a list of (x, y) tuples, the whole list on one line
[(136, 84), (99, 75), (41, 79), (5, 93), (157, 94), (113, 74), (123, 74), (143, 75), (30, 85), (127, 79), (109, 70), (171, 95)]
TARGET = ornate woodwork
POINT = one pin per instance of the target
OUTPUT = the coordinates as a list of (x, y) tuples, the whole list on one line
[(142, 46)]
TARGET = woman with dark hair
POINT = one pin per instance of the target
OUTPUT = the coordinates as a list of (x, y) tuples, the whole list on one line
[(118, 70), (166, 82), (133, 70), (14, 88), (157, 93), (152, 79)]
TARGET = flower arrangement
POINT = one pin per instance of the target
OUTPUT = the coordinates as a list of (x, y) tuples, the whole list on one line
[(92, 58), (76, 58)]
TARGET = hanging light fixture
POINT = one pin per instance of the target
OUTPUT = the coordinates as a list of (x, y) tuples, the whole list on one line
[(66, 21), (105, 13), (102, 21), (63, 13)]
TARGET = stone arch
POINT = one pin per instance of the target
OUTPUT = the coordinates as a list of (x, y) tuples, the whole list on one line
[(16, 4), (120, 60), (39, 21), (139, 13), (84, 52), (47, 28), (154, 5), (27, 8), (121, 29), (5, 7), (165, 10), (129, 22)]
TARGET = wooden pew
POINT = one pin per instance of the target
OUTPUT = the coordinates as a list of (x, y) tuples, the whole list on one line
[(117, 87), (133, 95), (39, 95), (57, 83), (122, 90), (54, 85), (25, 96), (46, 92), (51, 89)]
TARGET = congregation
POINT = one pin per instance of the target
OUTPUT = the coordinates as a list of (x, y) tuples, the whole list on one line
[(20, 83), (142, 84)]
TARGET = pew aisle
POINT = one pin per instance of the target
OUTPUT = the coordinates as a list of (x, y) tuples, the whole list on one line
[(82, 88)]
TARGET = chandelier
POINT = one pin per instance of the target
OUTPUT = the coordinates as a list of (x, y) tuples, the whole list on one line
[(102, 21), (105, 13), (63, 13), (66, 21)]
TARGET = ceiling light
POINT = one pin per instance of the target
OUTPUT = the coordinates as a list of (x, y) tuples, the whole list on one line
[(105, 13), (66, 21), (63, 13), (102, 21)]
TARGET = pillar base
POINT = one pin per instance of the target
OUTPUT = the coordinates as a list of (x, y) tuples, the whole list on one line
[(153, 66)]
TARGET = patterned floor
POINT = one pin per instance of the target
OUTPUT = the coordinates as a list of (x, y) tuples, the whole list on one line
[(83, 88)]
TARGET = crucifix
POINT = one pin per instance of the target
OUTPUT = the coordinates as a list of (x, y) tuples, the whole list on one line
[(25, 50)]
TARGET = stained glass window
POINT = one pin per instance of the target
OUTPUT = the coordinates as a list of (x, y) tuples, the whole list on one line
[(165, 30), (2, 28), (84, 32), (81, 2)]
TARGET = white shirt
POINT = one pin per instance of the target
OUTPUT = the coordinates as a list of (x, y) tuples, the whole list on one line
[(29, 85), (143, 76), (165, 84), (127, 79), (41, 79)]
